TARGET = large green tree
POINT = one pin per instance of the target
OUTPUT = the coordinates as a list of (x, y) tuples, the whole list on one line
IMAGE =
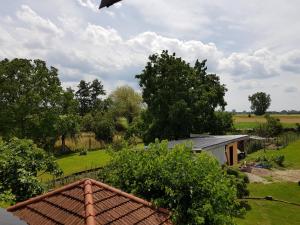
[(126, 103), (88, 95), (180, 98), (30, 97), (260, 102), (21, 161), (68, 125), (192, 186)]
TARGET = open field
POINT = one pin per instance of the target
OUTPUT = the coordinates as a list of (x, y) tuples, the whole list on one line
[(291, 154), (242, 121), (76, 163), (273, 213)]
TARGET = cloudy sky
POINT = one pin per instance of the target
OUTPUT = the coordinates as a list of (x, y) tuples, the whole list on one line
[(252, 45)]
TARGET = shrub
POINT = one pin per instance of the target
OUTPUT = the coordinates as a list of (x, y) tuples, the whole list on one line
[(279, 160), (298, 127), (253, 146), (274, 127), (264, 162), (104, 128), (241, 182), (20, 162), (270, 161), (271, 128), (83, 152), (122, 124), (222, 123), (119, 144), (193, 186)]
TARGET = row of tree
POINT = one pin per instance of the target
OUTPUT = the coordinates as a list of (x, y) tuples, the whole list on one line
[(177, 99)]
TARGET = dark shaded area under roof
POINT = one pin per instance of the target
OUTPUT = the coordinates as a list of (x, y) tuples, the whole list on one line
[(89, 202), (204, 142)]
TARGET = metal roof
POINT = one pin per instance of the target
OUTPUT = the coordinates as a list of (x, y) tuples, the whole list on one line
[(208, 141)]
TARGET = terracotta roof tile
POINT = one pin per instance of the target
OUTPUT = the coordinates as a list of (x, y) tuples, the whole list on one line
[(89, 202)]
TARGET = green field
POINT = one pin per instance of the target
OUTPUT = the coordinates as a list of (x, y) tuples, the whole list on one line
[(251, 125), (75, 163), (242, 121), (291, 154), (273, 213)]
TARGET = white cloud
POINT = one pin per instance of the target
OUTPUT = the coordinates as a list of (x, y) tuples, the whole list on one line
[(259, 64), (85, 45), (90, 4), (291, 62), (27, 15)]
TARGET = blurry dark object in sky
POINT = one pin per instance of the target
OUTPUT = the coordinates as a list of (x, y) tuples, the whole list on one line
[(107, 3)]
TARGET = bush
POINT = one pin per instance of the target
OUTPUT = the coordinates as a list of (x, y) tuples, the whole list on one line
[(20, 162), (193, 186), (83, 152), (241, 182), (122, 124), (271, 128), (279, 160), (119, 144), (253, 146), (298, 127), (270, 161), (222, 123), (264, 162), (104, 128)]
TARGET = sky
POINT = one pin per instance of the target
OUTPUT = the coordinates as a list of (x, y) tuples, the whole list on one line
[(251, 45)]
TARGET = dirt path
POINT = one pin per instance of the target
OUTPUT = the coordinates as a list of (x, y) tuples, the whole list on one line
[(259, 175), (256, 179)]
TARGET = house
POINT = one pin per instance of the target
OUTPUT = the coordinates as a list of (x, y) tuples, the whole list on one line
[(89, 202), (225, 148)]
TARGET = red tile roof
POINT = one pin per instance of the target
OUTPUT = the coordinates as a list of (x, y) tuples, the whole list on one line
[(89, 202)]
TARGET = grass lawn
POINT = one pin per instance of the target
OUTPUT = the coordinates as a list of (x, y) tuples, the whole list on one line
[(273, 213), (75, 163), (291, 154)]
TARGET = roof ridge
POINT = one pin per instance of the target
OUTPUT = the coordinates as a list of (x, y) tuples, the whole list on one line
[(40, 197), (89, 203), (130, 196)]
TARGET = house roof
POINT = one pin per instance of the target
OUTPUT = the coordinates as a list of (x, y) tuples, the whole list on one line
[(205, 142), (89, 202)]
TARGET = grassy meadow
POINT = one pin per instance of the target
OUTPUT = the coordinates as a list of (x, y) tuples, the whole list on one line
[(243, 121)]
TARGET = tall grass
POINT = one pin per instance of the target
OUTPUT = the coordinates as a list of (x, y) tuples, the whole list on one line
[(81, 141)]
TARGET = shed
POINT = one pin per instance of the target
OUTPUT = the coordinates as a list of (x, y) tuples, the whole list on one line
[(224, 147)]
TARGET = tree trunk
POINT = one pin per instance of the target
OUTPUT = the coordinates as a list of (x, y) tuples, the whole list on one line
[(63, 143)]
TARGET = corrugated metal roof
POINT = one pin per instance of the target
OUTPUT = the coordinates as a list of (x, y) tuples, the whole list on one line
[(89, 202), (208, 141)]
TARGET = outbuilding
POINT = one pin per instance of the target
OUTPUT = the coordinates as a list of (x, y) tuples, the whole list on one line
[(225, 148)]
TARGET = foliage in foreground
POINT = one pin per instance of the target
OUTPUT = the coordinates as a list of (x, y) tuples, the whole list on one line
[(193, 187), (20, 163)]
